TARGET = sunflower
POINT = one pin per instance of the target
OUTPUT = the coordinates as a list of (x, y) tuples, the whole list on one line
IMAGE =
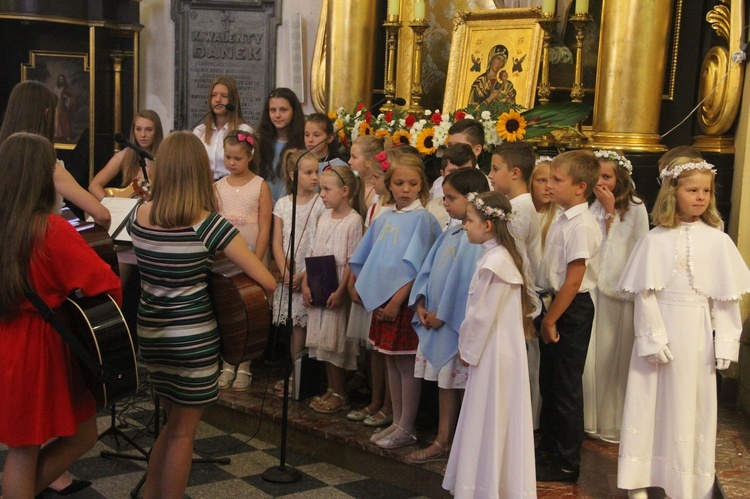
[(382, 132), (401, 137), (511, 126), (365, 129), (425, 142), (339, 125)]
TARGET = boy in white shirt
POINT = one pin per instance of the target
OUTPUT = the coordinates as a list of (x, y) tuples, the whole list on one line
[(568, 273), (511, 168)]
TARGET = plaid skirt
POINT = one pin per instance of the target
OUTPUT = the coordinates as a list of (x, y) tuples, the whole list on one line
[(397, 337)]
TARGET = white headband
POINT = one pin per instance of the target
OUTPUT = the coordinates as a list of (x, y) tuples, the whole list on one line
[(543, 159), (613, 156), (675, 171)]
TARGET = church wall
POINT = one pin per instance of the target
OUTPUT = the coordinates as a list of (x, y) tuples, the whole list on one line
[(158, 54)]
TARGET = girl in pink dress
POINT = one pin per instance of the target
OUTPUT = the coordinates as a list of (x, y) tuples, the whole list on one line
[(338, 233), (245, 200)]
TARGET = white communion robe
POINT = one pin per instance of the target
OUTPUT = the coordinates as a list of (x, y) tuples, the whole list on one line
[(680, 278), (608, 359), (493, 449)]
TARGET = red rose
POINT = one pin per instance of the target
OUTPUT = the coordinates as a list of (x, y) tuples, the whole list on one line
[(368, 116), (460, 115), (360, 106), (389, 116), (410, 120), (436, 118)]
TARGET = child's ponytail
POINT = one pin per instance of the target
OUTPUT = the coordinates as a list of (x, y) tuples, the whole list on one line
[(350, 179)]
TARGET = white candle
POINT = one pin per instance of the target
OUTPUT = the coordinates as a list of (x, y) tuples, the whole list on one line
[(548, 6), (394, 8), (419, 10), (582, 6)]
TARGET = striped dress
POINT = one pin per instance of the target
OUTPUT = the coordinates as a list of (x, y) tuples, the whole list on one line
[(177, 334)]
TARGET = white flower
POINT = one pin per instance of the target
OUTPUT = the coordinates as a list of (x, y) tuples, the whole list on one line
[(441, 134), (427, 112), (486, 115)]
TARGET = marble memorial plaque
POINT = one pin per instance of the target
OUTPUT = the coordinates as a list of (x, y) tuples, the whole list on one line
[(238, 39)]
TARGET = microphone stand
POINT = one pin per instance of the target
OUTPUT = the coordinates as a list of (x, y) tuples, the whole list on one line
[(283, 473)]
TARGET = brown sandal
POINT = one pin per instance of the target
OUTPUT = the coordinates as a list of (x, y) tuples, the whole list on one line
[(324, 406), (421, 456)]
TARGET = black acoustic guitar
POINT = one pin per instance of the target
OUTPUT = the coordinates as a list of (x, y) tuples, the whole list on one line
[(98, 325)]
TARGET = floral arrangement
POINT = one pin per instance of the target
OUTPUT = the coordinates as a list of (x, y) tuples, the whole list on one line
[(501, 122)]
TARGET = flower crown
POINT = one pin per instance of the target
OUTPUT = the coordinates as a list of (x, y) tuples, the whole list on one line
[(487, 211), (543, 159), (675, 171), (613, 156), (384, 163)]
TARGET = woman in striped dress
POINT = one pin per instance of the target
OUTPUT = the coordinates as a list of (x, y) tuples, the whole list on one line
[(176, 237)]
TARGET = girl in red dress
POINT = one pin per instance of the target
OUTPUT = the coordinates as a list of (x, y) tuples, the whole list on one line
[(43, 393)]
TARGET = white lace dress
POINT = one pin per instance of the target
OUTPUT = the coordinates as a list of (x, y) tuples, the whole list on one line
[(687, 282), (307, 221)]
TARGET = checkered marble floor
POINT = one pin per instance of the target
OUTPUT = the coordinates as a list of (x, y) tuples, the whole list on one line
[(116, 478)]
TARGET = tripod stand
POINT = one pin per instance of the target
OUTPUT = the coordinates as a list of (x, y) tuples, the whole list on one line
[(115, 432)]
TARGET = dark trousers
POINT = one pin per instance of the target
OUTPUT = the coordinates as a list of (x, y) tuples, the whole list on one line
[(561, 385)]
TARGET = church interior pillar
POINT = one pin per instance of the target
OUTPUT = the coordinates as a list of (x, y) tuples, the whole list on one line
[(350, 49), (630, 76)]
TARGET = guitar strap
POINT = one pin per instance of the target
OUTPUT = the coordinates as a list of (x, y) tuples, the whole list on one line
[(104, 374)]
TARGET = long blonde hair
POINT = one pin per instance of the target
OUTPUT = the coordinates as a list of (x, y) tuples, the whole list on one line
[(31, 108), (548, 216), (182, 184), (665, 213), (131, 166), (25, 203)]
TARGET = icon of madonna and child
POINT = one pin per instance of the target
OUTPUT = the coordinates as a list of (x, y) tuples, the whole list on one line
[(493, 85)]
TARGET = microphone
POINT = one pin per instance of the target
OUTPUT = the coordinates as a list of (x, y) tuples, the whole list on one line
[(120, 139), (228, 107)]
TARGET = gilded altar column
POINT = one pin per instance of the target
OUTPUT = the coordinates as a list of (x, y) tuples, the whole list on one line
[(630, 75), (350, 50)]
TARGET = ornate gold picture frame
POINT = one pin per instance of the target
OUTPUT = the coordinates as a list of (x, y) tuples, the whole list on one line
[(495, 55), (68, 75)]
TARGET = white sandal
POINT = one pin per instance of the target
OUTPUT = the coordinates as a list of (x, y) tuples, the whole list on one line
[(242, 381), (226, 377)]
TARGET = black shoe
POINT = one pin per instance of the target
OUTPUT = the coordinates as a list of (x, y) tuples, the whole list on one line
[(74, 487), (550, 472)]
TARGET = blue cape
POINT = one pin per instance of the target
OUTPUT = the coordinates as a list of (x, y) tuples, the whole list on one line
[(391, 254), (444, 281)]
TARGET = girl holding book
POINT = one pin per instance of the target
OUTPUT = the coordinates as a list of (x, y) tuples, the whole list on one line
[(338, 233)]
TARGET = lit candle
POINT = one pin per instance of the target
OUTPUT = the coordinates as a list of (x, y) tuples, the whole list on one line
[(582, 6), (548, 6), (394, 8), (419, 10)]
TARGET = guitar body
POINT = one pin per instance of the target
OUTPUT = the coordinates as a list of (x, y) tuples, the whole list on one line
[(242, 312), (99, 325)]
